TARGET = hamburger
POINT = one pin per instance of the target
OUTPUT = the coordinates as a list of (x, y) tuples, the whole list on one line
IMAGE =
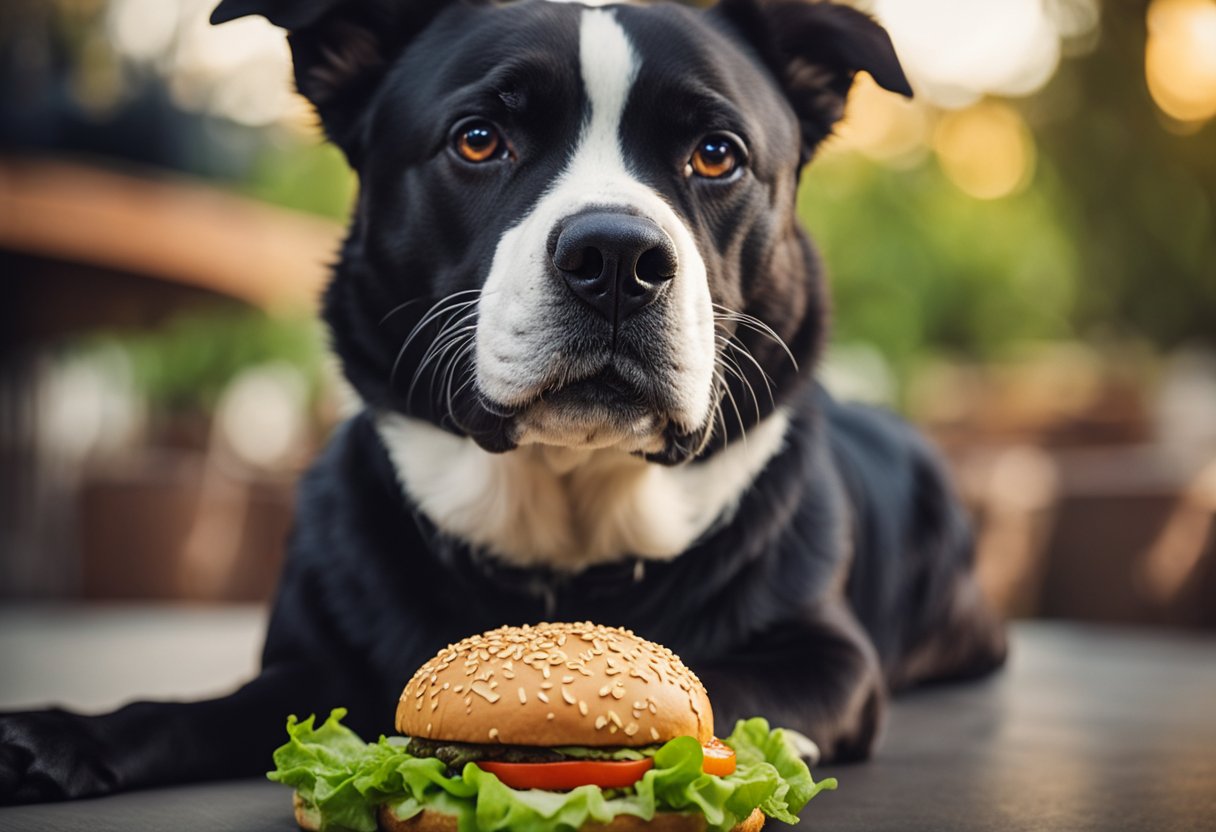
[(547, 728)]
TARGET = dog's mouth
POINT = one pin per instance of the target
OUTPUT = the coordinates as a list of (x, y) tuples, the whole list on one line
[(616, 402), (610, 408)]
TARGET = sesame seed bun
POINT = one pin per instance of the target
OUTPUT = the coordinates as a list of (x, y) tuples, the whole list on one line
[(429, 820), (432, 821), (555, 684)]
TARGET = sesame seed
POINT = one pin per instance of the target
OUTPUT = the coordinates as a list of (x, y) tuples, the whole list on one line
[(582, 707), (542, 696), (493, 733), (654, 733), (600, 722), (631, 729), (546, 685), (568, 696), (485, 692), (605, 690), (523, 697), (550, 715), (567, 680), (616, 720), (617, 693)]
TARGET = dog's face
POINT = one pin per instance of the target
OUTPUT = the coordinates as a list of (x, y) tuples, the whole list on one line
[(576, 225)]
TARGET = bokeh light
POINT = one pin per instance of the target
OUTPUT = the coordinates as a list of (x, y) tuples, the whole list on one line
[(884, 127), (1180, 58), (996, 47), (986, 150), (240, 71)]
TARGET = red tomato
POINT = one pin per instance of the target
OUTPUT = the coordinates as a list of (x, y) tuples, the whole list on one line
[(607, 774)]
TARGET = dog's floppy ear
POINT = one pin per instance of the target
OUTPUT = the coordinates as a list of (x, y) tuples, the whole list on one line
[(815, 49), (340, 48)]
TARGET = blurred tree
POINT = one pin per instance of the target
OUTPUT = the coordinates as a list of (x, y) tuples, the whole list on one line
[(1112, 236), (1138, 192)]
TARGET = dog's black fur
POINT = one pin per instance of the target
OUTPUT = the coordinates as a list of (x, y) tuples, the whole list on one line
[(845, 571)]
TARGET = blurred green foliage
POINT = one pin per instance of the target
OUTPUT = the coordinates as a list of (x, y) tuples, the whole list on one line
[(306, 175), (915, 265), (1112, 240), (186, 364)]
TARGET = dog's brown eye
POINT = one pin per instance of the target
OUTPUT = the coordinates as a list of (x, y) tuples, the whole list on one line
[(478, 141), (716, 157)]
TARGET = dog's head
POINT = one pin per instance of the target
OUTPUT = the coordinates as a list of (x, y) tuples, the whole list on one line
[(575, 224)]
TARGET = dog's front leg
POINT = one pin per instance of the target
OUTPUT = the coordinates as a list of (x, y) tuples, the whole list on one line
[(818, 674), (56, 754)]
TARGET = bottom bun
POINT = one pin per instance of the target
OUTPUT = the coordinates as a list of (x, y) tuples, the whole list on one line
[(432, 821)]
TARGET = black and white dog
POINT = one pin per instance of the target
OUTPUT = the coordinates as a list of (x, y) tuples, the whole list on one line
[(583, 321)]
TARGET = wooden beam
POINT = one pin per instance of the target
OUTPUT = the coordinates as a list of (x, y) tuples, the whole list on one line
[(167, 228)]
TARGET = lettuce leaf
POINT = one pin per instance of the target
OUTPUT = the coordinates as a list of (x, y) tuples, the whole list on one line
[(343, 781)]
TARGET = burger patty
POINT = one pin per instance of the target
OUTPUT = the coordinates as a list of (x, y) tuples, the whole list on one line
[(456, 754)]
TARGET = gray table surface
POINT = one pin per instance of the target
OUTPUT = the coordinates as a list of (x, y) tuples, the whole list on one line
[(1087, 729)]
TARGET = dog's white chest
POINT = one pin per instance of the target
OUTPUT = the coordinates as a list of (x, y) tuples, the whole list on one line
[(569, 509)]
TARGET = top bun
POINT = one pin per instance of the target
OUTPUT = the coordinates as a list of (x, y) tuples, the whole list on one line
[(555, 684)]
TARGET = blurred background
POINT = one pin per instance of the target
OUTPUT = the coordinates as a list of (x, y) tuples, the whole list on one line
[(1023, 261)]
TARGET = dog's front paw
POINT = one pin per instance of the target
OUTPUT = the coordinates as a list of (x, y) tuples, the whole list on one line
[(51, 755)]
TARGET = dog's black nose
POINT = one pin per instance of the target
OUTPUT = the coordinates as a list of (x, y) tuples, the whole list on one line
[(615, 262)]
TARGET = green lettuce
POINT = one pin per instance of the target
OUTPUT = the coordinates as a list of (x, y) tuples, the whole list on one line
[(343, 781)]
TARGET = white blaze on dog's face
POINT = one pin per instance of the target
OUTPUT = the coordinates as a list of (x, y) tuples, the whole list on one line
[(652, 367)]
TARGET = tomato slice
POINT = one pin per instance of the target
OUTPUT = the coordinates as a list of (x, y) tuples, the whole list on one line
[(569, 774), (607, 774), (719, 758)]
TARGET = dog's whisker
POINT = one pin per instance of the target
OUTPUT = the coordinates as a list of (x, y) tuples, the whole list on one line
[(746, 382), (432, 353), (432, 314), (440, 308), (738, 346), (472, 376), (451, 335), (738, 416), (756, 325), (718, 411), (737, 372), (457, 349), (399, 307)]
